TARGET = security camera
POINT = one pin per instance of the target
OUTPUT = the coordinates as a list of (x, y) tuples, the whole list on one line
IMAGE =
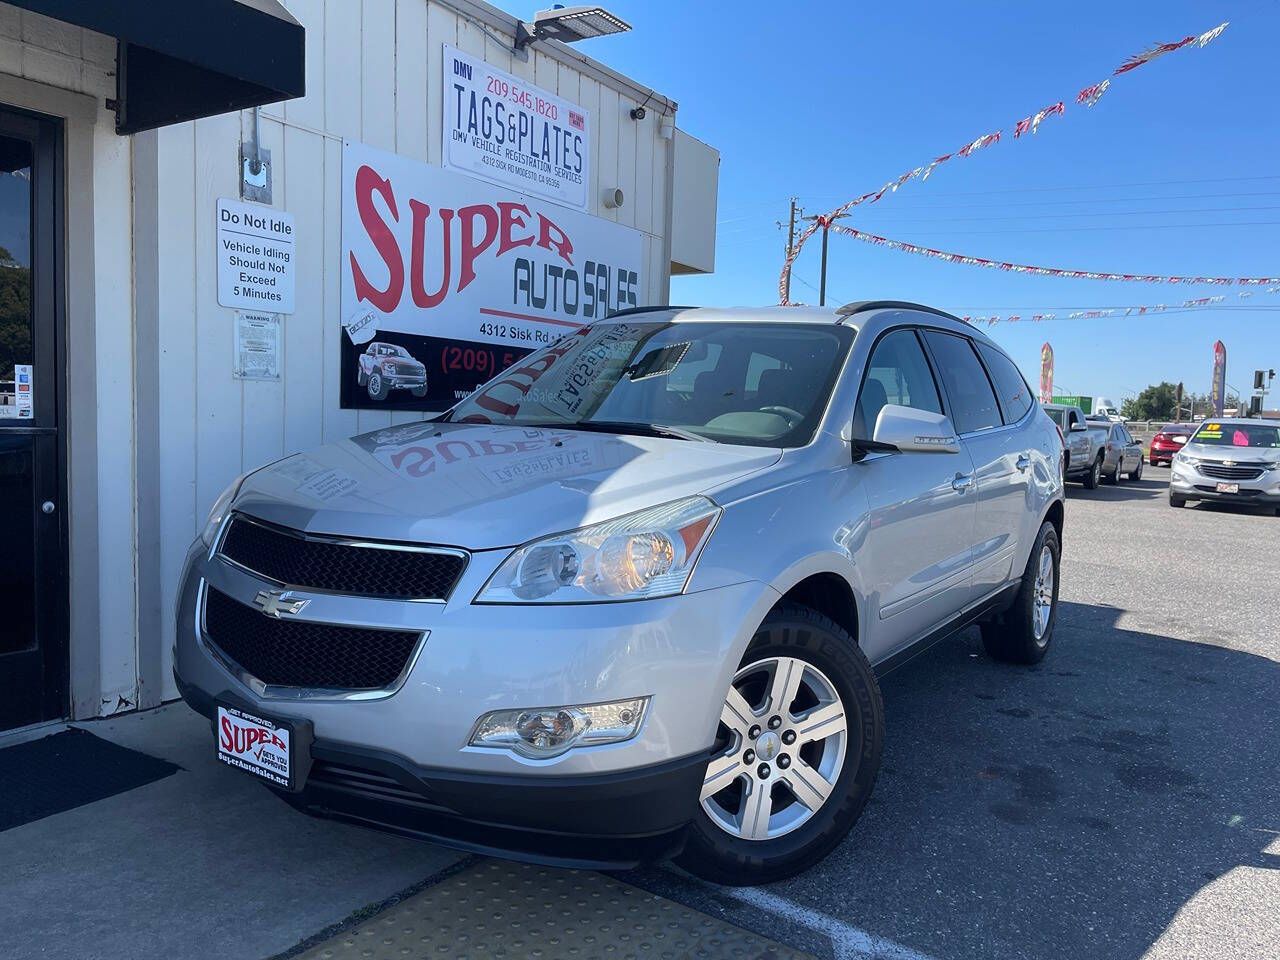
[(637, 113)]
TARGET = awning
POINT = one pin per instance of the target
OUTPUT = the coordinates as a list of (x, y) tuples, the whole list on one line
[(179, 61)]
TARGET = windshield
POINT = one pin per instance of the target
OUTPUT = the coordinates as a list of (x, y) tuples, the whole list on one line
[(762, 384), (1237, 434)]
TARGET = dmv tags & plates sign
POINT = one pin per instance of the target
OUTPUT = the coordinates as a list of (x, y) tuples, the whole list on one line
[(505, 130)]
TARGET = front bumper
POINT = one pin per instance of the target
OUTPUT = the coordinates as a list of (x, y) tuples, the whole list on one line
[(1190, 484), (606, 821), (405, 379), (401, 761)]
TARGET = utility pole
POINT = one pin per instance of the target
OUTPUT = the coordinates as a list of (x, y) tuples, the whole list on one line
[(826, 228), (791, 239)]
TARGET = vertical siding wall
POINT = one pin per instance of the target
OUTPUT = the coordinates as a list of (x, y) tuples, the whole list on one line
[(373, 74)]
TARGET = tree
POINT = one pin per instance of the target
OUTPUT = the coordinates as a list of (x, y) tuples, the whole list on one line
[(1156, 402)]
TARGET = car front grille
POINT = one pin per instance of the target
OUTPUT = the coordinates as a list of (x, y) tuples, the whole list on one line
[(390, 570), (297, 653), (1235, 472)]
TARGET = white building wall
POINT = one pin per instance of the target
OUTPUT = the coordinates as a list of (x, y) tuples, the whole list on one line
[(373, 74)]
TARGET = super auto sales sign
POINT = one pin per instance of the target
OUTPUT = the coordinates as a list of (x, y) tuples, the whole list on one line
[(463, 277)]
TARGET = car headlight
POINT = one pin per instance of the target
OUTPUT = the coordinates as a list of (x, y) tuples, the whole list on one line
[(646, 554), (541, 733), (221, 507), (1186, 458)]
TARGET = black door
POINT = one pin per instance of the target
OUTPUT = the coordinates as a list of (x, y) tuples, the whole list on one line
[(33, 631)]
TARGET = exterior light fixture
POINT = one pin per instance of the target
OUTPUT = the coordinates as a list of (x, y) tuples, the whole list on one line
[(568, 25)]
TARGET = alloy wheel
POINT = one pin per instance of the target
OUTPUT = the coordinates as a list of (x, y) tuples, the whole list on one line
[(784, 734), (1042, 598)]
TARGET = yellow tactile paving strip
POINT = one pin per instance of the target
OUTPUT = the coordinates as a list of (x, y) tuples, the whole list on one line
[(511, 910)]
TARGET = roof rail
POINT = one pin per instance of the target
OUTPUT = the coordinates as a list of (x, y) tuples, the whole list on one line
[(858, 306), (652, 308)]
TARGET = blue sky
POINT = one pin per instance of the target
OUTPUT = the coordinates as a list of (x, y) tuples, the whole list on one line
[(1175, 171)]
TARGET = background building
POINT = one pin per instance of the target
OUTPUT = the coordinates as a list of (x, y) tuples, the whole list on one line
[(148, 393)]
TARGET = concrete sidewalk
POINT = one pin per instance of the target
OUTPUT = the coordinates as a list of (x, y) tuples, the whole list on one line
[(202, 864), (206, 863)]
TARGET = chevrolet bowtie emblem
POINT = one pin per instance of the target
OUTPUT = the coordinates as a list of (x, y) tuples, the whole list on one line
[(278, 603)]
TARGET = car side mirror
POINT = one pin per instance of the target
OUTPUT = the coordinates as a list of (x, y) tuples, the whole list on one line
[(1078, 427), (909, 430)]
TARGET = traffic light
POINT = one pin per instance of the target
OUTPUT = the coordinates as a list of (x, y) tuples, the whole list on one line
[(1255, 406), (1258, 376)]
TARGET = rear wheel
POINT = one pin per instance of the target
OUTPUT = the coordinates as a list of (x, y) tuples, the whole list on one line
[(1094, 475), (1022, 634), (798, 752)]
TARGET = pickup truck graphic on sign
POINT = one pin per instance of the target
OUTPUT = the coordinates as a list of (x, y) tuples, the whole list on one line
[(385, 367)]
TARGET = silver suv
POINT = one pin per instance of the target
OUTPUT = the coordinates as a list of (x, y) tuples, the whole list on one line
[(630, 599)]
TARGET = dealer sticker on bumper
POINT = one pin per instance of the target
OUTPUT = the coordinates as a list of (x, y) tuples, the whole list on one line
[(255, 745)]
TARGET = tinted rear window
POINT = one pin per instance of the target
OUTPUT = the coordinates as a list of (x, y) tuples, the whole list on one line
[(1014, 394), (973, 405)]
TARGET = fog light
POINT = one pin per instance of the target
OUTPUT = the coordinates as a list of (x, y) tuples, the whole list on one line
[(543, 732)]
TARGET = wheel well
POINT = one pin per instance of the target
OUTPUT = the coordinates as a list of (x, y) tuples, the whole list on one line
[(1054, 515), (829, 594)]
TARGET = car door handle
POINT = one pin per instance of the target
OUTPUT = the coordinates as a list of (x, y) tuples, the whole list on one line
[(962, 482), (1022, 463)]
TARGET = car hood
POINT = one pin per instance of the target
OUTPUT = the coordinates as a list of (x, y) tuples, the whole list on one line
[(482, 487), (1215, 451)]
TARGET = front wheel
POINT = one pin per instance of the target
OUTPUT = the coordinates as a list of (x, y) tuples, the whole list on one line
[(377, 387), (1177, 501), (419, 392), (1023, 633), (1136, 473), (797, 753)]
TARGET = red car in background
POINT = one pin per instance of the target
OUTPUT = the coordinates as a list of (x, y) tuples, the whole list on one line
[(1168, 441)]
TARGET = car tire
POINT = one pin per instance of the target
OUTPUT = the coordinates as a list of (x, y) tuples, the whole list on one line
[(1136, 473), (377, 387), (419, 392), (1023, 633), (1094, 475), (1177, 501), (835, 676), (361, 378)]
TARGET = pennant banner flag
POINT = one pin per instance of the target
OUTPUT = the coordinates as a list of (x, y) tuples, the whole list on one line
[(1095, 314), (1088, 97), (1042, 271)]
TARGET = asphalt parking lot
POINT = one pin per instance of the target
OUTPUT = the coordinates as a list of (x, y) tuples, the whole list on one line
[(1118, 801)]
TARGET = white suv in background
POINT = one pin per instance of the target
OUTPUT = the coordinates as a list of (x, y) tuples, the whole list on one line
[(630, 599)]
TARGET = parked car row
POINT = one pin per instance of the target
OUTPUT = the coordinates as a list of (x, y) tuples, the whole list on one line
[(1095, 450), (1231, 460)]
